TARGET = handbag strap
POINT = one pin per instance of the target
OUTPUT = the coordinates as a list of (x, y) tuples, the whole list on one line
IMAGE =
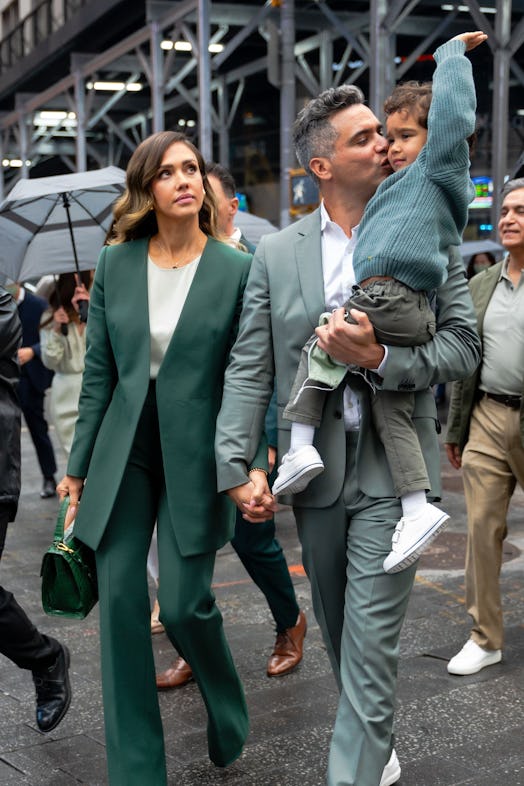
[(60, 520)]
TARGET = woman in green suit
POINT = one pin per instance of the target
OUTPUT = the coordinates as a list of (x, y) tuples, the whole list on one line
[(163, 315)]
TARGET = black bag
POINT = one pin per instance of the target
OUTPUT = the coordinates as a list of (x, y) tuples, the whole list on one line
[(69, 586)]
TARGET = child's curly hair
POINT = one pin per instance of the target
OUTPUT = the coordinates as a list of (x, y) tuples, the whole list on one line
[(412, 96), (415, 97)]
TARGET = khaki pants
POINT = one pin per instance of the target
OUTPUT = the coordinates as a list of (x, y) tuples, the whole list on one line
[(492, 463)]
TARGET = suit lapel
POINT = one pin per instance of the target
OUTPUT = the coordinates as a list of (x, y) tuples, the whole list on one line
[(485, 293), (134, 303), (308, 258)]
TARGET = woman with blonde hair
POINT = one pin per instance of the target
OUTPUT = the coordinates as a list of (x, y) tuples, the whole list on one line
[(162, 318)]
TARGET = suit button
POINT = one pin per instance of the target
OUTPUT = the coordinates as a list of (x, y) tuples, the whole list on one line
[(338, 414)]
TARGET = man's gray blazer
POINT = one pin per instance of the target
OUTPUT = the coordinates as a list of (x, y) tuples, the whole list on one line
[(283, 299)]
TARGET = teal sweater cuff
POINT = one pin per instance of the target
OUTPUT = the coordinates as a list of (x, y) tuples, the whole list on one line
[(450, 49)]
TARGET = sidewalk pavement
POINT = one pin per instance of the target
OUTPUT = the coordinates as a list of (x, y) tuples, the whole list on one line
[(450, 731)]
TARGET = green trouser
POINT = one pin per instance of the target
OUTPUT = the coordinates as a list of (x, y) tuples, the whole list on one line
[(360, 610), (134, 736)]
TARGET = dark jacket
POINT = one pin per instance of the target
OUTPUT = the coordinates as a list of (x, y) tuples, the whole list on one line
[(250, 247), (10, 341), (30, 310)]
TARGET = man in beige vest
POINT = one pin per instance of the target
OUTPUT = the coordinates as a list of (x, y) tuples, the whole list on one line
[(486, 433)]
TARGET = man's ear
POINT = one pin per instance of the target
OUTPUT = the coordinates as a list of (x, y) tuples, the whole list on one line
[(321, 167), (233, 206)]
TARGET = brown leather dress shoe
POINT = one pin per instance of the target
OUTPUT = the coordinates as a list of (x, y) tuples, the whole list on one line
[(288, 649), (177, 675)]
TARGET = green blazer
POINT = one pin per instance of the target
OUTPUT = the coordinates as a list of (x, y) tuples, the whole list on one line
[(464, 394), (283, 300), (188, 390)]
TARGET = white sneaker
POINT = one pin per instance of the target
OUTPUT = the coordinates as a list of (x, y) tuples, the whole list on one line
[(296, 469), (473, 658), (391, 773), (411, 537)]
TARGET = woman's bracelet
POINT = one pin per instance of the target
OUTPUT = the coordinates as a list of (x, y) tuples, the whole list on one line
[(258, 469)]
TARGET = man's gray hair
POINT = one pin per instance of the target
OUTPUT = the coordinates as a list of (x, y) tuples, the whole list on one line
[(313, 134), (512, 185)]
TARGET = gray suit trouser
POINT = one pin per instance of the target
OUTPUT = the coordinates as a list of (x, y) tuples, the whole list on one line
[(360, 610)]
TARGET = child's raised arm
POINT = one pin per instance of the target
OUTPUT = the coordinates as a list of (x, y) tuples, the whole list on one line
[(471, 40)]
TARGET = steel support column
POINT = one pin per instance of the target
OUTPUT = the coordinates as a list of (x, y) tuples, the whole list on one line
[(204, 81), (157, 77), (2, 182), (80, 111), (287, 103), (326, 60), (223, 114), (380, 57), (24, 146), (501, 69)]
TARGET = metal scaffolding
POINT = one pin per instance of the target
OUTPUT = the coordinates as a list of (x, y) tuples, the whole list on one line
[(299, 43)]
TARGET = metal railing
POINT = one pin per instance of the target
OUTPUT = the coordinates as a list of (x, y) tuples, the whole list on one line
[(45, 19)]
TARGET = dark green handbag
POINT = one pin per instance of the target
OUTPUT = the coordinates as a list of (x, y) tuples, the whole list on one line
[(69, 586)]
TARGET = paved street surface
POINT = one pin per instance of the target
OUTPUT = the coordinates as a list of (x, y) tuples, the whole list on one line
[(449, 730)]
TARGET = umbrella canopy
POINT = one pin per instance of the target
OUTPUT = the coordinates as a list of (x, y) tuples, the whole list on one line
[(470, 247), (35, 235)]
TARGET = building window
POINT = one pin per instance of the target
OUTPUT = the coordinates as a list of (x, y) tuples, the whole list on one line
[(10, 17)]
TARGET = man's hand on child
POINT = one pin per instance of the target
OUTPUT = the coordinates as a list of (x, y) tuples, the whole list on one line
[(471, 39), (350, 343)]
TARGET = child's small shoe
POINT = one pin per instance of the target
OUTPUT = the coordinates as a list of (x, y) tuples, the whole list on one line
[(411, 537), (296, 469)]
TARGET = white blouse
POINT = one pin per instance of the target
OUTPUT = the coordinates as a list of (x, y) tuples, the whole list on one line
[(167, 290)]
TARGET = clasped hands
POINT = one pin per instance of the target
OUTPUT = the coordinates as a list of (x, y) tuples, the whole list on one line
[(254, 498)]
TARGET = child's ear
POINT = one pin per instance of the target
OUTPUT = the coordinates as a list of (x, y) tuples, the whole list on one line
[(321, 167)]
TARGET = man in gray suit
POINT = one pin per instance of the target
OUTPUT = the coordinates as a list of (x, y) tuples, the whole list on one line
[(346, 516)]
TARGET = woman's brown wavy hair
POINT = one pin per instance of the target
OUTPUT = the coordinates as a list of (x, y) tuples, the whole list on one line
[(133, 216)]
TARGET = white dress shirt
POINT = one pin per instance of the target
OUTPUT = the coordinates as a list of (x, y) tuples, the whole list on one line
[(339, 277)]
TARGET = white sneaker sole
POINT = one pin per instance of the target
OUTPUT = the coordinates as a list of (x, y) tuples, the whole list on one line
[(391, 773), (392, 778), (297, 482), (411, 555), (489, 660)]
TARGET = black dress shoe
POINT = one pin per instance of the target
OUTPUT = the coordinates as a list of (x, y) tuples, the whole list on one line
[(48, 489), (53, 692)]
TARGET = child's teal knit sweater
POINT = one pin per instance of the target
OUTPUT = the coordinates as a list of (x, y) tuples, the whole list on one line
[(419, 211)]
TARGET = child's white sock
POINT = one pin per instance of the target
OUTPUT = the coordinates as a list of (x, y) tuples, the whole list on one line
[(412, 503), (301, 435)]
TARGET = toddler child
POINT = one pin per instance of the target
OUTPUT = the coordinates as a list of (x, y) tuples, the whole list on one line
[(400, 256)]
